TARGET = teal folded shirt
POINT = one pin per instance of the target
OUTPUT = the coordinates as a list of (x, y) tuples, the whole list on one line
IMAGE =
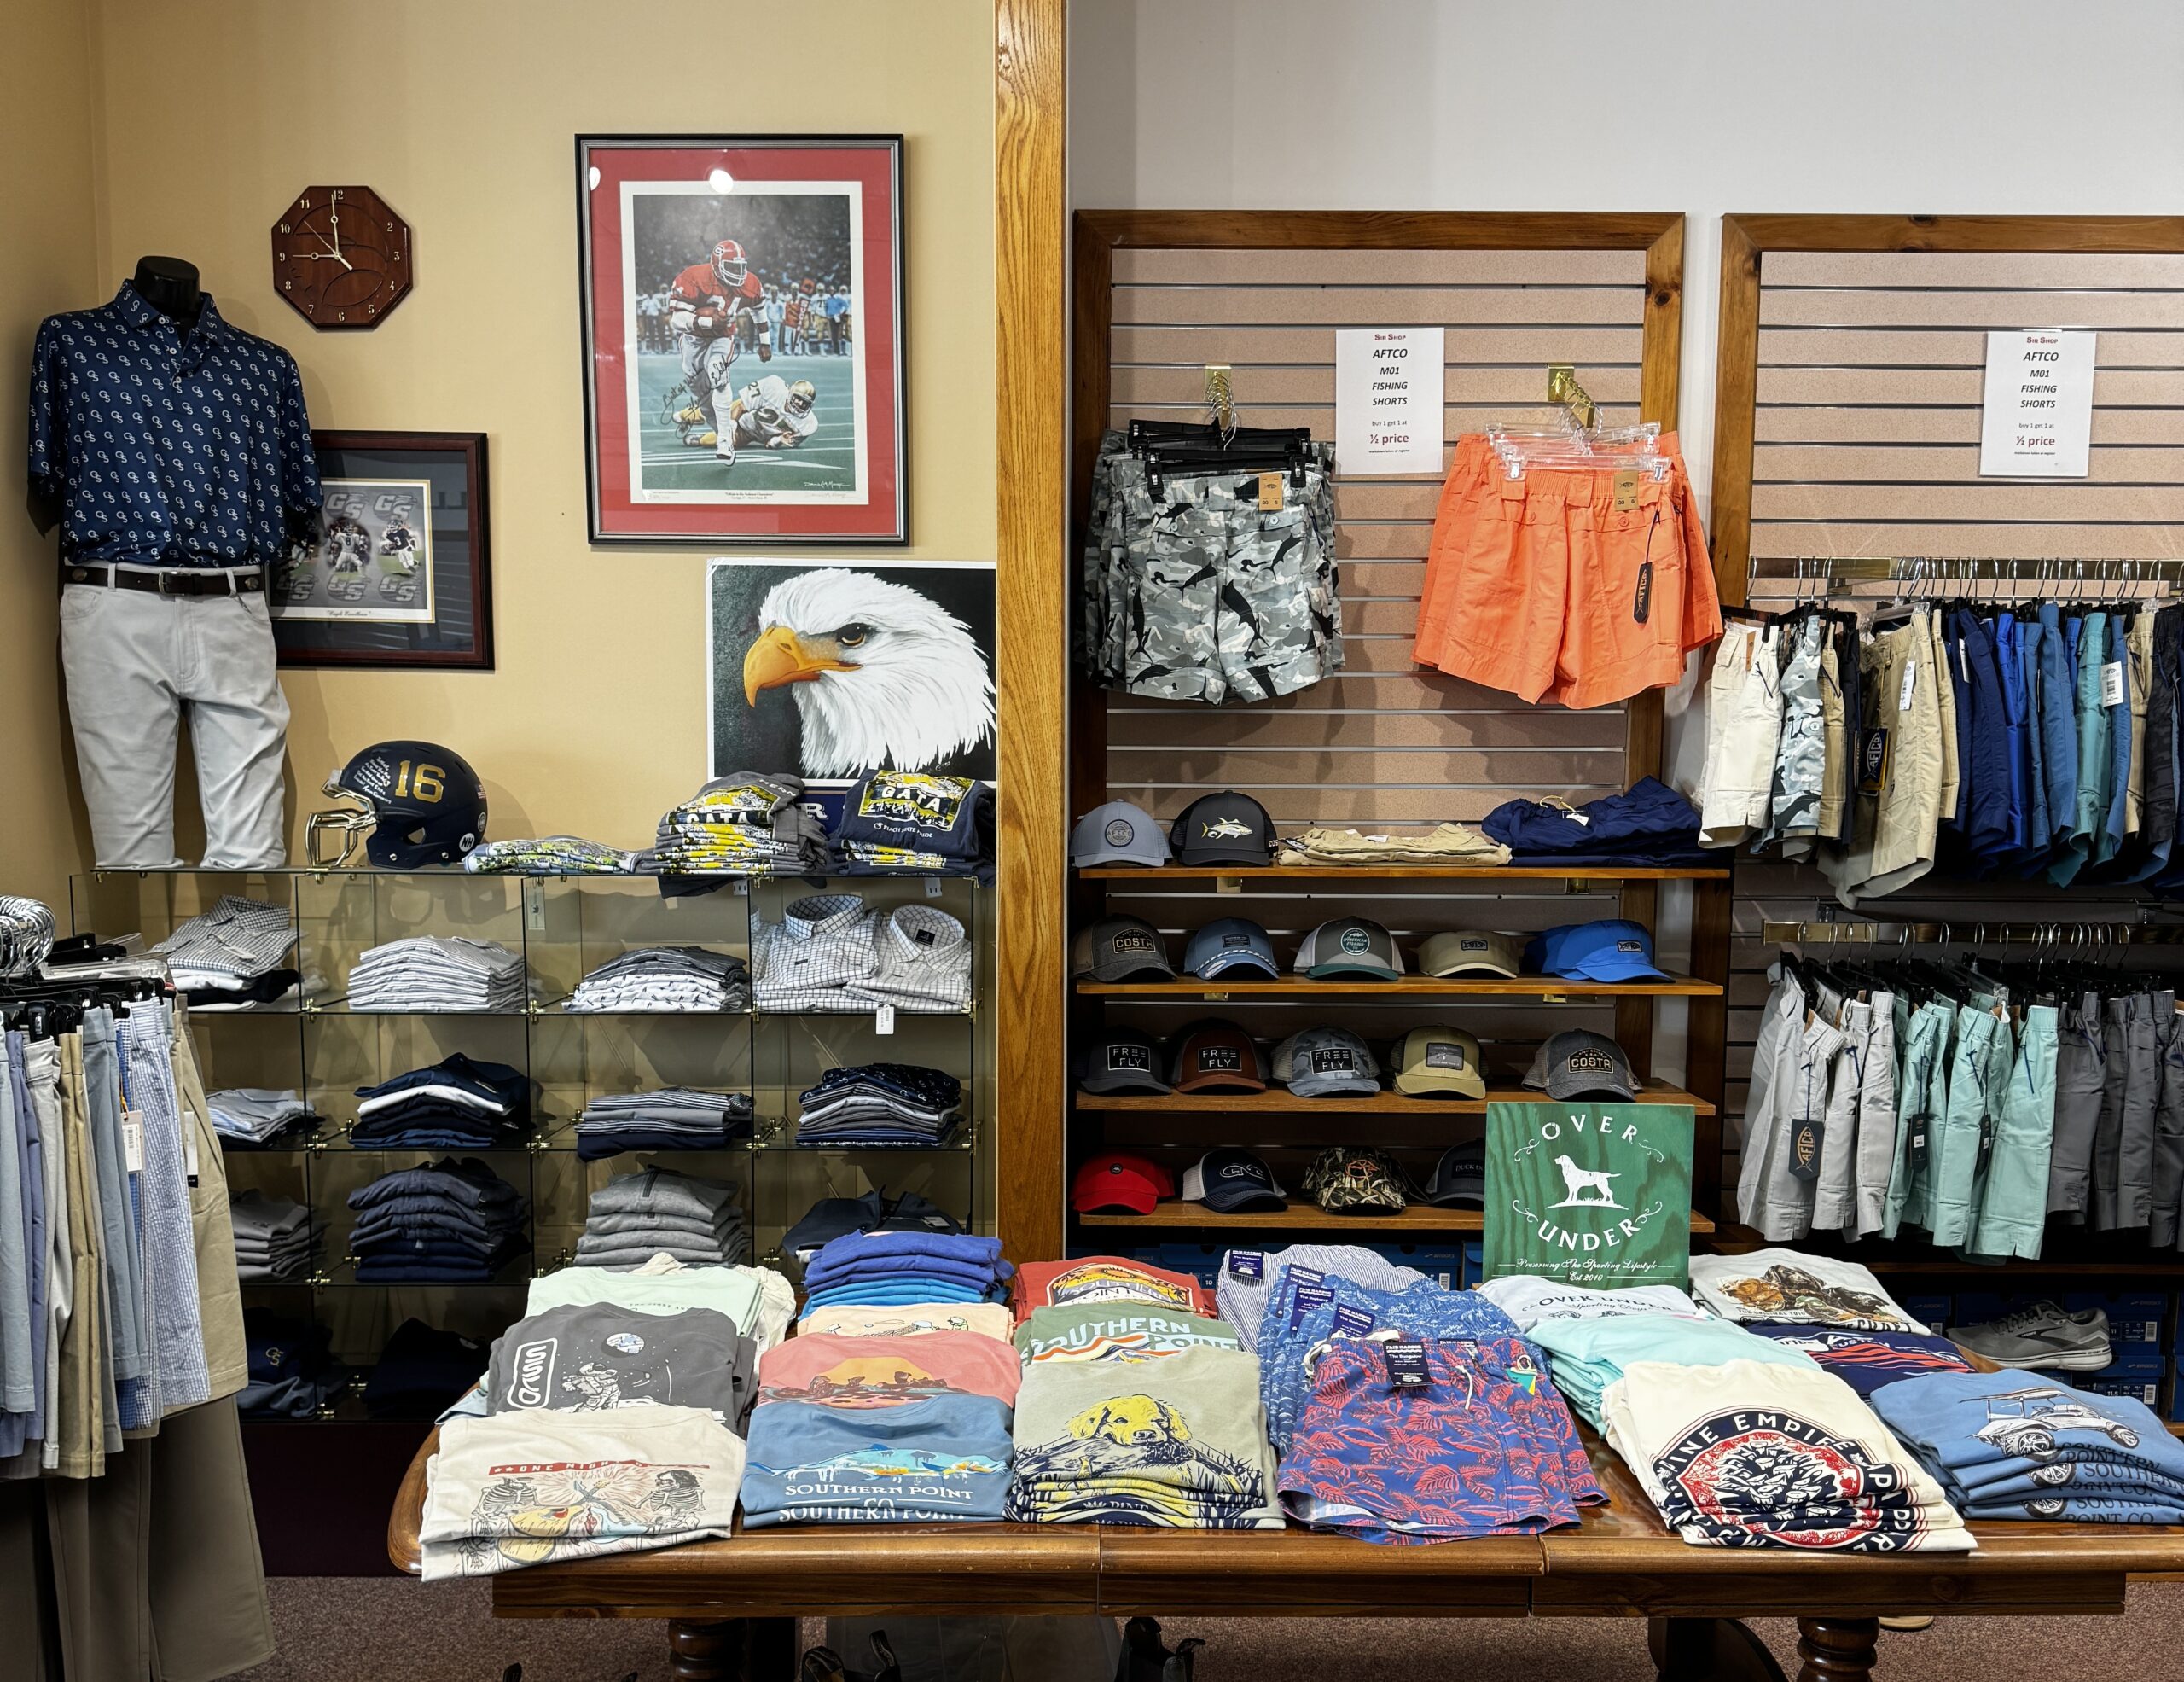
[(1587, 1356)]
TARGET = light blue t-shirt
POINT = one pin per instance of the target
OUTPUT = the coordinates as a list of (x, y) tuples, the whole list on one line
[(947, 1457)]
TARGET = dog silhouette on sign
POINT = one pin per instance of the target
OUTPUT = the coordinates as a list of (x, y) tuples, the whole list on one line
[(1578, 1181)]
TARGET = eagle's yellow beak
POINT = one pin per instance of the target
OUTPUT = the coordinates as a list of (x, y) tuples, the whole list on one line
[(780, 656)]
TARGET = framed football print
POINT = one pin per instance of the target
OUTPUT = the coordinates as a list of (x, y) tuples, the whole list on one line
[(742, 325), (401, 575)]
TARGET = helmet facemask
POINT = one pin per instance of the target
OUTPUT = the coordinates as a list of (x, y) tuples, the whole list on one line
[(348, 825)]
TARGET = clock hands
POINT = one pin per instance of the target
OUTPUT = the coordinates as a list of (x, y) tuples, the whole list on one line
[(334, 244)]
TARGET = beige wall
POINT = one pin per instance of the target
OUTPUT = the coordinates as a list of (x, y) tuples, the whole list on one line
[(462, 113), (47, 126)]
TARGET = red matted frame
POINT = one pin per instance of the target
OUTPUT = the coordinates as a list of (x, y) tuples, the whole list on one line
[(655, 494)]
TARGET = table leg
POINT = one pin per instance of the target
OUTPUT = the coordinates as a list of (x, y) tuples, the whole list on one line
[(770, 1654), (705, 1652), (1709, 1650), (1838, 1649)]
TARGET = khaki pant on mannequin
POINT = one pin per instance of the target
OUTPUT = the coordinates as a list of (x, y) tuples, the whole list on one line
[(134, 661)]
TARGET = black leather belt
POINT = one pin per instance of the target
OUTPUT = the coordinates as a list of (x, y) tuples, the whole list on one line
[(172, 580)]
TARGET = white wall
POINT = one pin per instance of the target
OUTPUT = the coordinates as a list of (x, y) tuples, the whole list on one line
[(1701, 106)]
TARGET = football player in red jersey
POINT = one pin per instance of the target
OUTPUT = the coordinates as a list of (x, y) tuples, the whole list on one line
[(706, 302)]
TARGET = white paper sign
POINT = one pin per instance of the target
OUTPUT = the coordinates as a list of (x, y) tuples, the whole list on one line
[(1387, 400), (2037, 420)]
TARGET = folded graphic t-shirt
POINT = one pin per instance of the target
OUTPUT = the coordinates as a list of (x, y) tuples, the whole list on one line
[(596, 1356), (1126, 1332), (1866, 1360), (853, 1319), (878, 1372), (1797, 1290), (1588, 1356), (1107, 1279), (1984, 1428), (740, 1293), (1527, 1299), (946, 1457)]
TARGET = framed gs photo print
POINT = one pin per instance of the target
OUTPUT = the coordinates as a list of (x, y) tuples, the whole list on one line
[(742, 303), (401, 575)]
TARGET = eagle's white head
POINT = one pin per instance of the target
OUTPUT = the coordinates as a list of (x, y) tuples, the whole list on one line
[(883, 675)]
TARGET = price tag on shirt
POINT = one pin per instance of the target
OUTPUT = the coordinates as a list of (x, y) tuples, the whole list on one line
[(1910, 678), (933, 887), (1249, 1265), (883, 1020), (2111, 683), (1407, 1368), (189, 1154), (1352, 1318), (133, 1142)]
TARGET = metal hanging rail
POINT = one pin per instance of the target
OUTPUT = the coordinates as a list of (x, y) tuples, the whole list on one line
[(1921, 569), (2046, 936)]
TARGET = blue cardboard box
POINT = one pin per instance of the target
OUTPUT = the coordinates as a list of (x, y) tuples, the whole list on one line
[(1474, 1262), (2132, 1360), (1977, 1307), (1441, 1263), (1201, 1261), (2147, 1390), (2133, 1317), (1931, 1309)]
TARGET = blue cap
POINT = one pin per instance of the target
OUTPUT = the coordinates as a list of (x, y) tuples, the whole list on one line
[(1230, 943), (1611, 950)]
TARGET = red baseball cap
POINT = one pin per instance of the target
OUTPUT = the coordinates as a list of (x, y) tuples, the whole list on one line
[(1118, 1180)]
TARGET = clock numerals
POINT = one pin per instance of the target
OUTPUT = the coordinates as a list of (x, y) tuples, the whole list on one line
[(358, 273), (283, 228)]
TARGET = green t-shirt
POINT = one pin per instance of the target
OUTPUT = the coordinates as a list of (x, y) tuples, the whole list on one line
[(1117, 1331), (1595, 1194)]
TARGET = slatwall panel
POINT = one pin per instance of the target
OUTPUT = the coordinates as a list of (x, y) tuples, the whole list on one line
[(1866, 444), (1384, 745)]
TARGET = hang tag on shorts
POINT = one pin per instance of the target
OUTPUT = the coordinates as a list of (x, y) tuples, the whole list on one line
[(1308, 1276), (133, 1142), (1269, 493), (883, 1020), (1625, 488), (1641, 603), (1309, 1297), (1910, 678), (2111, 683), (1872, 759), (1920, 1124), (1986, 1145), (1804, 1148), (1407, 1368), (1352, 1318), (1249, 1265), (189, 1155)]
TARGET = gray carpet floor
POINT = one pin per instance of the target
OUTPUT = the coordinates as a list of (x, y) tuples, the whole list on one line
[(390, 1630)]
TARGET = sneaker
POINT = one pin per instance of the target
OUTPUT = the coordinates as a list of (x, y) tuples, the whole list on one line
[(2042, 1337)]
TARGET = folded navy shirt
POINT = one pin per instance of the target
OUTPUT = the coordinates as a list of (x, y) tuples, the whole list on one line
[(1866, 1360), (1649, 821)]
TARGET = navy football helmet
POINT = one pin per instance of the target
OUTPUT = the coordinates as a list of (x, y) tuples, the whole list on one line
[(421, 802)]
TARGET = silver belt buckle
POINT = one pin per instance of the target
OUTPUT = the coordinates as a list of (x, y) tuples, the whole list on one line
[(166, 575)]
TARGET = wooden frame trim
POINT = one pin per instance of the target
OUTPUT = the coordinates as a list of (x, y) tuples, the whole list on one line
[(1032, 606)]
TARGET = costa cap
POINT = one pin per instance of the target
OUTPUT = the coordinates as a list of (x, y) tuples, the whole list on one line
[(1117, 832), (1228, 945), (1440, 1062), (1218, 1057), (1118, 1180), (1223, 828), (1364, 1181), (1320, 1062), (1122, 1060), (1459, 1179), (1611, 950), (1579, 1063), (1230, 1179), (1350, 946), (1469, 952), (1121, 949)]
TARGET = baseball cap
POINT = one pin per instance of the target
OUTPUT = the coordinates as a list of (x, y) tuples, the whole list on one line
[(1350, 946), (1579, 1063), (1320, 1062), (1120, 949), (1459, 1178), (1362, 1181), (1439, 1060), (1223, 828), (1611, 950), (1218, 1057), (1117, 832), (1230, 1179), (1118, 1180), (1122, 1060), (1468, 951), (1228, 944)]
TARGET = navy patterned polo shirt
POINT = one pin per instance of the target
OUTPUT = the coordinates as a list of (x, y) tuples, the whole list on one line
[(166, 449)]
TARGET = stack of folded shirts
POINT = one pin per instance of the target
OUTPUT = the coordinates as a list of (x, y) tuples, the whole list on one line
[(881, 1104), (1871, 1360), (255, 1116), (420, 1370), (658, 1212), (760, 1300), (547, 856), (873, 1211), (239, 953), (456, 1103), (274, 1237), (438, 972), (1531, 1301), (915, 824), (1789, 1288), (1415, 1439), (292, 1373), (672, 1118), (590, 1356), (829, 953), (2016, 1446), (1588, 1355), (1444, 844), (1650, 825), (1748, 1455), (1116, 1331), (665, 979), (450, 1223), (746, 824), (899, 1267)]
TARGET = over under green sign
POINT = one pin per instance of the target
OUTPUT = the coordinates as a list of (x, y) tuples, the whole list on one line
[(1596, 1194)]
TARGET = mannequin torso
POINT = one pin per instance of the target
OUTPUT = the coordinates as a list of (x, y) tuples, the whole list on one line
[(170, 286)]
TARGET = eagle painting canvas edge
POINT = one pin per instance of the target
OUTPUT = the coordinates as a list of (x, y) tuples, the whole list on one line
[(835, 669)]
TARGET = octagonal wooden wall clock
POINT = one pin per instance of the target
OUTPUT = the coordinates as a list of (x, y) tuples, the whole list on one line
[(341, 257)]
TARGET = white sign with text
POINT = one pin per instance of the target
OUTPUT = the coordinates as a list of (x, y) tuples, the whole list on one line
[(1388, 382), (2037, 419)]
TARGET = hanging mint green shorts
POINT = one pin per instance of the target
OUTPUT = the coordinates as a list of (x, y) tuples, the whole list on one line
[(1978, 1079), (1921, 1096), (2014, 1212)]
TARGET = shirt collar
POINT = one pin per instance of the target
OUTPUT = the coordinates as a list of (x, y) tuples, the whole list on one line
[(905, 924), (131, 307), (822, 914)]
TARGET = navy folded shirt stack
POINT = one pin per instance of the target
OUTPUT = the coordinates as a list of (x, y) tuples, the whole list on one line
[(889, 1267), (450, 1223), (914, 824), (2016, 1444), (292, 1372), (878, 1104), (423, 1371), (673, 1118), (457, 1104), (1650, 824), (873, 1211)]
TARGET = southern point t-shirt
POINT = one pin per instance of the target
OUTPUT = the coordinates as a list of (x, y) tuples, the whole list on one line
[(945, 1456), (1123, 1332), (851, 1319), (595, 1356), (879, 1372), (1107, 1279)]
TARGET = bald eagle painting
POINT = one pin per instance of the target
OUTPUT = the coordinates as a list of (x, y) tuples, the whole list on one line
[(831, 671)]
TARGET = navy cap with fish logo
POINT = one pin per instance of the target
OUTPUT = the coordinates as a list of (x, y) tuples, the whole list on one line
[(1223, 828)]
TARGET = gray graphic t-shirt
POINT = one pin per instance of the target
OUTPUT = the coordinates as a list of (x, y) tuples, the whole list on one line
[(587, 1357)]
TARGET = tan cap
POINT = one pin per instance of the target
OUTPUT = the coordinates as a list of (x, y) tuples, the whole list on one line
[(1468, 951), (1440, 1060)]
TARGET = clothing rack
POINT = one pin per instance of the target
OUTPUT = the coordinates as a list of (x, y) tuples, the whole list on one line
[(2043, 937), (1839, 572)]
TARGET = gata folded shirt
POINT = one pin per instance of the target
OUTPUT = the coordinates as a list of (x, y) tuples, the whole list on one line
[(1797, 1290), (532, 1486), (945, 1456), (598, 1356), (1127, 1332), (1866, 1360), (871, 1372), (1106, 1279), (908, 1319)]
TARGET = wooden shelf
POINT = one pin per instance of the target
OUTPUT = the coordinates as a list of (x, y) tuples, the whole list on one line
[(1304, 1215), (1400, 872), (1274, 1102), (1408, 987)]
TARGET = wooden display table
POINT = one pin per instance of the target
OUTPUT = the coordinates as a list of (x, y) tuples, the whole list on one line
[(729, 1604)]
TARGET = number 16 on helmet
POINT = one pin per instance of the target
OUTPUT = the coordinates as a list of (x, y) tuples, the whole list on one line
[(417, 803)]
